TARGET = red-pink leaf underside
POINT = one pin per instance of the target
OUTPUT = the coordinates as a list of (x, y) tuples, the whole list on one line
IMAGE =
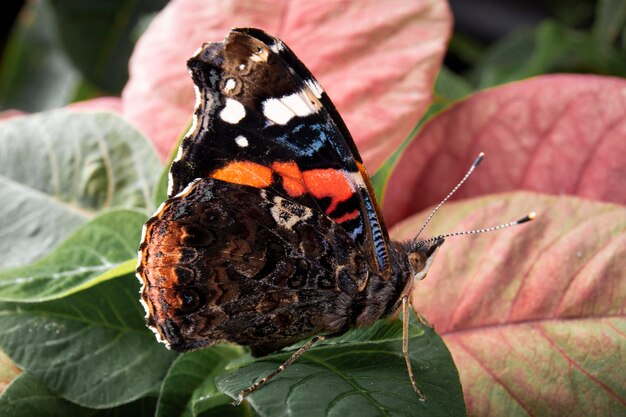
[(534, 316), (377, 61), (557, 134)]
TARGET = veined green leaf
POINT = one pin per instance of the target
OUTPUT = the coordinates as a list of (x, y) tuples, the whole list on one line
[(362, 373), (27, 397), (92, 347), (189, 387), (60, 168), (102, 249)]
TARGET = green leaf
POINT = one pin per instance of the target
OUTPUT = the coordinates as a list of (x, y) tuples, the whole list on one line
[(59, 168), (98, 36), (610, 22), (549, 48), (28, 397), (102, 249), (189, 387), (92, 348), (160, 194), (35, 74), (362, 373)]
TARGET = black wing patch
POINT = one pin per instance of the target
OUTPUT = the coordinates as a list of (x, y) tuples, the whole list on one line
[(262, 120)]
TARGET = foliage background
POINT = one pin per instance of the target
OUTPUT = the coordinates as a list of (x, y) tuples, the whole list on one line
[(534, 318)]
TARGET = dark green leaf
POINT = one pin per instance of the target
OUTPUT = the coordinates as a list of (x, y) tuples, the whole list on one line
[(59, 168), (549, 48), (94, 253), (98, 36), (360, 374), (35, 73), (189, 387), (610, 22), (28, 398), (572, 13), (92, 347)]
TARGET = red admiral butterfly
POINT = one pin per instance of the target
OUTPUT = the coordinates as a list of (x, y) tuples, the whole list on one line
[(271, 233)]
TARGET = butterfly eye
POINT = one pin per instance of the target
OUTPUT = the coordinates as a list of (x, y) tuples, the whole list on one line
[(417, 261)]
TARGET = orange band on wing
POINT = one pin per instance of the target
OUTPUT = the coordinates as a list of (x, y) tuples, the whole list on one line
[(292, 177), (331, 183), (245, 173)]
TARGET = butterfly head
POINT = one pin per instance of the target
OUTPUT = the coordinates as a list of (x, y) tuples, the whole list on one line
[(420, 254)]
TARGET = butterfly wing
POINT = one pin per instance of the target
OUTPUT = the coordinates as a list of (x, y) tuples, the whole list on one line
[(262, 120), (224, 261)]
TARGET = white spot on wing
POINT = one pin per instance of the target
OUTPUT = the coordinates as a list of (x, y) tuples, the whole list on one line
[(357, 178), (230, 84), (170, 182), (276, 111), (277, 46), (233, 111), (241, 141), (281, 110), (287, 213), (315, 88)]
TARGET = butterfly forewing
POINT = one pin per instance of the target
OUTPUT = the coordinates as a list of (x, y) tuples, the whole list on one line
[(263, 120)]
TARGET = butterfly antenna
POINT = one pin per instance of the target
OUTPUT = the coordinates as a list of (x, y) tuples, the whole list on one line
[(477, 161), (530, 216)]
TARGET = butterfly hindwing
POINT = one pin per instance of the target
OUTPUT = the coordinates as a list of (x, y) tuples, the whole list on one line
[(223, 261), (262, 120)]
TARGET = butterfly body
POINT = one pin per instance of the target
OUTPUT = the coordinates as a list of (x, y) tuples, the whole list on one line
[(271, 233)]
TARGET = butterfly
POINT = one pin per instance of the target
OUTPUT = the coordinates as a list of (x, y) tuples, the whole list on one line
[(271, 233)]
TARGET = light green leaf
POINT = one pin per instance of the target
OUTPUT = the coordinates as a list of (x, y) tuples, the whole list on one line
[(189, 387), (160, 194), (102, 249), (59, 168), (92, 347), (360, 374)]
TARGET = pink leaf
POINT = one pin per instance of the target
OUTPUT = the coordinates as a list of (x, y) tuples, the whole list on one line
[(558, 134), (377, 60), (533, 316)]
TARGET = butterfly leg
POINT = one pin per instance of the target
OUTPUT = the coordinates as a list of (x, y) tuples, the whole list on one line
[(405, 347), (281, 368)]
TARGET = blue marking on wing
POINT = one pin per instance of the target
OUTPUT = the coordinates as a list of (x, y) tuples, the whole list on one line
[(320, 133), (377, 234)]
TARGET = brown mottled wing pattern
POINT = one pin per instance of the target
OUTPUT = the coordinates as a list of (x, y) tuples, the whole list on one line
[(223, 261)]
